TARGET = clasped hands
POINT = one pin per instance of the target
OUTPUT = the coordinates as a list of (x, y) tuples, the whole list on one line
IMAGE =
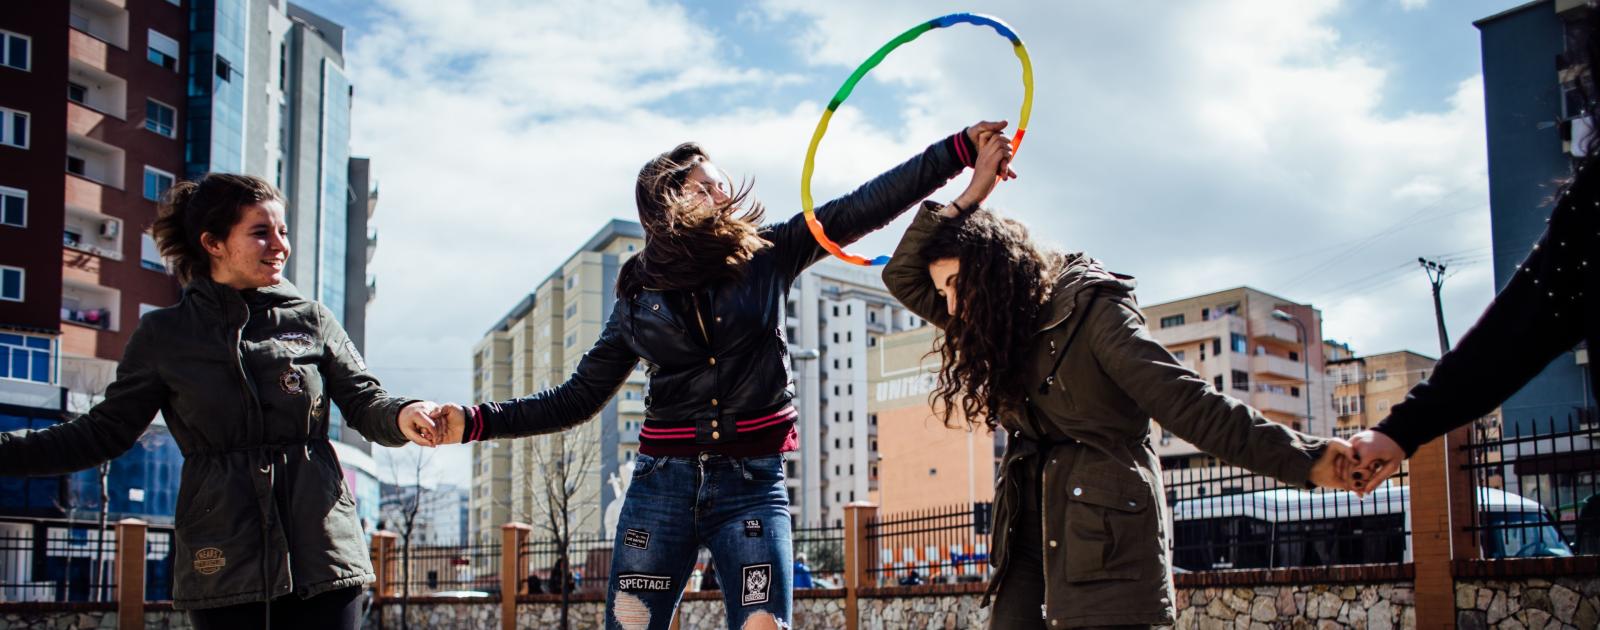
[(429, 424)]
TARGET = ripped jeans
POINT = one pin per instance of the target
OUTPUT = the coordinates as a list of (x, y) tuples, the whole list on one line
[(735, 507)]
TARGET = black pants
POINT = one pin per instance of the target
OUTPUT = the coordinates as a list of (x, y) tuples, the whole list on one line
[(338, 609)]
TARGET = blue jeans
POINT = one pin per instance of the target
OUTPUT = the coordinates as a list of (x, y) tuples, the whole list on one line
[(737, 508)]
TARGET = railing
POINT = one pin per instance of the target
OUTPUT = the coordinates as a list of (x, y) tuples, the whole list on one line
[(58, 564), (425, 570), (1538, 489), (1228, 518), (938, 546), (589, 558), (822, 548)]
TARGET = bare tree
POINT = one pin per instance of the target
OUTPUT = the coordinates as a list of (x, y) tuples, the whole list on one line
[(562, 464), (408, 467)]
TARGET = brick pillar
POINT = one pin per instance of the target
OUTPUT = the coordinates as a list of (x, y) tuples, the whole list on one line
[(382, 552), (858, 558), (1441, 513), (130, 573), (512, 537)]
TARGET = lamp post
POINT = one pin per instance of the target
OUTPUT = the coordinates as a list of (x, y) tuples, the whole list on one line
[(1305, 359)]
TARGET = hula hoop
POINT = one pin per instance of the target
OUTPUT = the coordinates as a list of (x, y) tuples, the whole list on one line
[(806, 204)]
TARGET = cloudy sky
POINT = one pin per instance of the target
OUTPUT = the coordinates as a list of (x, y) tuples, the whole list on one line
[(1312, 149)]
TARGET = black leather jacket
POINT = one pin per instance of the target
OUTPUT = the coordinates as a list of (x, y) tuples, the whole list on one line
[(739, 365)]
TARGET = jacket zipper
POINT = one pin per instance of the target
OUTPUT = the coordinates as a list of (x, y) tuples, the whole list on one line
[(1044, 534), (253, 407)]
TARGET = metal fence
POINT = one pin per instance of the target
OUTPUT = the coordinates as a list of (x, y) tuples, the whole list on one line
[(589, 558), (1538, 488), (1225, 517), (934, 546), (57, 563), (822, 549), (432, 569)]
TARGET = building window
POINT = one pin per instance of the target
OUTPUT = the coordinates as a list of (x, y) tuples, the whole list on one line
[(1174, 320), (572, 339), (11, 279), (77, 93), (872, 419), (224, 69), (1294, 356), (16, 50), (1238, 343), (156, 183), (572, 310), (836, 310), (13, 207), (1216, 347), (1217, 382), (26, 358), (76, 165), (162, 50), (872, 316), (13, 128), (1179, 355), (872, 341), (572, 281), (161, 118), (1380, 375), (1241, 380), (1294, 391), (836, 337)]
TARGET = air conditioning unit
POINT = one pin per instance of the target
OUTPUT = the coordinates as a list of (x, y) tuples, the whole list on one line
[(109, 229)]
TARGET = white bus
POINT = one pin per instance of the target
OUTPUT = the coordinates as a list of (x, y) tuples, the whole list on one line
[(1295, 528)]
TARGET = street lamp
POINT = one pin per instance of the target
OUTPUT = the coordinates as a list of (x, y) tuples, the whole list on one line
[(1305, 358)]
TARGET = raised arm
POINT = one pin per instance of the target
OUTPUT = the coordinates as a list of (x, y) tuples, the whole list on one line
[(873, 205), (600, 373), (108, 430)]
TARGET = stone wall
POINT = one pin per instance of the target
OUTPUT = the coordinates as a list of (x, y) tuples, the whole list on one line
[(1531, 603), (87, 620), (442, 616), (1372, 606), (698, 613), (939, 611)]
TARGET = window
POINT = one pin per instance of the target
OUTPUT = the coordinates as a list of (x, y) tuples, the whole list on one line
[(1241, 380), (1380, 375), (156, 182), (872, 341), (836, 337), (572, 339), (1294, 356), (573, 281), (872, 316), (13, 207), (1217, 382), (849, 336), (1179, 355), (14, 128), (15, 50), (26, 358), (572, 310), (224, 69), (836, 310), (1216, 346), (1294, 391), (160, 118), (835, 364), (849, 362), (76, 165), (162, 51), (1238, 343), (77, 93), (1175, 320), (11, 279)]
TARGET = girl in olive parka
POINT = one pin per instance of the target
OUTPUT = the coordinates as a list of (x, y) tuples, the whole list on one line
[(243, 370), (1052, 349)]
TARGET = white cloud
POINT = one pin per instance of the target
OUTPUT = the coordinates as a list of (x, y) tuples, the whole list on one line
[(1413, 5), (1199, 146)]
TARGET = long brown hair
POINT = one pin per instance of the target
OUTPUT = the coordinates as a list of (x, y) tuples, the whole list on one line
[(688, 243), (208, 206), (1004, 280)]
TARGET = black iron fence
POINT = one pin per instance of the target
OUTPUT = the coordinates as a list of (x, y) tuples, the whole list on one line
[(588, 564), (933, 546), (1538, 488), (424, 570)]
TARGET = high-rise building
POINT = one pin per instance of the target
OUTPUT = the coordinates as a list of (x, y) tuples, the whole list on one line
[(921, 463), (534, 347), (1535, 111), (1254, 346), (837, 313), (130, 96)]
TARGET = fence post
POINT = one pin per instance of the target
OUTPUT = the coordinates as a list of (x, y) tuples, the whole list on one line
[(130, 573), (858, 558), (512, 537), (1441, 500), (382, 550)]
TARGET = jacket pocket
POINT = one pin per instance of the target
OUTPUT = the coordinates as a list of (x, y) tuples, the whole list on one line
[(1111, 531)]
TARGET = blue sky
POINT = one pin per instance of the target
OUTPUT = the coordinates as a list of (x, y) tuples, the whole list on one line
[(1312, 149)]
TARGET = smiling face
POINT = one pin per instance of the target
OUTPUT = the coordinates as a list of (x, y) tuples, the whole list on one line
[(944, 272), (256, 250)]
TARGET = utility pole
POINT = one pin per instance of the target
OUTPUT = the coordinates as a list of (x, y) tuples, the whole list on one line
[(1436, 276)]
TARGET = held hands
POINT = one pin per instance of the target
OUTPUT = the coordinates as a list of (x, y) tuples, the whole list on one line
[(1360, 465), (1334, 466), (992, 166), (429, 424)]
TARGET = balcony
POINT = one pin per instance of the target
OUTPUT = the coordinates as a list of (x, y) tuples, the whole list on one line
[(1277, 331), (1278, 403), (90, 305), (631, 406), (1218, 328), (97, 89), (1279, 367), (92, 233), (102, 20), (94, 160)]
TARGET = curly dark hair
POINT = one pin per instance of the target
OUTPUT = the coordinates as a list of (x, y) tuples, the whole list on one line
[(689, 244), (1004, 281)]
